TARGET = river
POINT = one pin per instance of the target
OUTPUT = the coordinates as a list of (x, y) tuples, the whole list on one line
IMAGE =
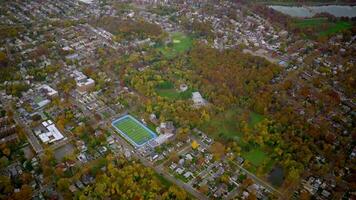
[(310, 11)]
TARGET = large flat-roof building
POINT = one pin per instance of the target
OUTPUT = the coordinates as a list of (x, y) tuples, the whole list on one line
[(50, 134), (48, 91), (198, 99), (84, 84)]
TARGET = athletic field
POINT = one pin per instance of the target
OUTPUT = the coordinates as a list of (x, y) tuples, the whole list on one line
[(133, 130)]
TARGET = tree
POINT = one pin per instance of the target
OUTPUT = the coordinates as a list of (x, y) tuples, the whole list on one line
[(218, 150), (3, 162), (5, 185), (26, 178), (224, 179), (195, 144), (67, 85), (3, 59), (24, 193)]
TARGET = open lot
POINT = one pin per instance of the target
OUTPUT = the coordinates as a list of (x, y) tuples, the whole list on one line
[(133, 131), (180, 43)]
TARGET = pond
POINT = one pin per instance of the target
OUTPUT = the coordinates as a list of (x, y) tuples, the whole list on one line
[(276, 177), (310, 11)]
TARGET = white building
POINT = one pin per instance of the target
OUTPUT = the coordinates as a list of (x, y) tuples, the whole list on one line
[(84, 83), (50, 92), (183, 87), (198, 99), (52, 133)]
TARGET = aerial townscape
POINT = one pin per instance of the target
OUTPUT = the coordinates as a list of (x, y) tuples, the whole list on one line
[(178, 99)]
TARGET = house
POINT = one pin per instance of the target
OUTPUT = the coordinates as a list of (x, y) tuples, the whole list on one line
[(173, 166), (188, 174), (82, 158), (240, 160), (110, 140), (181, 162), (81, 145), (102, 150), (62, 167), (79, 184), (74, 56), (188, 157), (179, 171), (87, 179), (222, 190), (326, 193), (72, 188)]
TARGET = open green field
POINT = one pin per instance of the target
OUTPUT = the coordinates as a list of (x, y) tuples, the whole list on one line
[(322, 26), (174, 94), (304, 23), (226, 124), (133, 131), (255, 156), (337, 27), (166, 89), (258, 158), (180, 43)]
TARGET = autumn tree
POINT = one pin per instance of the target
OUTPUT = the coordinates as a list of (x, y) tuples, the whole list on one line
[(218, 150)]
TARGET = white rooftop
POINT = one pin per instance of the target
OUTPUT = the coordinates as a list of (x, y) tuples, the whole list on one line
[(53, 133)]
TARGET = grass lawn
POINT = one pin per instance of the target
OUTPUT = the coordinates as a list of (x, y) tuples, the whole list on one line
[(255, 156), (226, 124), (339, 26), (173, 94), (166, 89), (304, 23), (323, 26), (223, 124), (133, 131), (163, 180), (180, 43)]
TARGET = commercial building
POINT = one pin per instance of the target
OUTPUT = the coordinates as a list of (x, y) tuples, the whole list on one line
[(49, 132), (84, 84)]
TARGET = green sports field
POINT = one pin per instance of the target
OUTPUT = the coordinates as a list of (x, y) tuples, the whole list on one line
[(133, 131)]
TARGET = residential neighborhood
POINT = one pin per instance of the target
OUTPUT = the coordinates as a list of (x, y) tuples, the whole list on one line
[(169, 99)]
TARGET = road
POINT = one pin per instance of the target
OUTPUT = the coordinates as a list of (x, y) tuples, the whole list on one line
[(32, 139)]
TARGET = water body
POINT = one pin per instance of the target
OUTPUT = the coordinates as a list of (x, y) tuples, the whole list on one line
[(276, 177), (310, 11)]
